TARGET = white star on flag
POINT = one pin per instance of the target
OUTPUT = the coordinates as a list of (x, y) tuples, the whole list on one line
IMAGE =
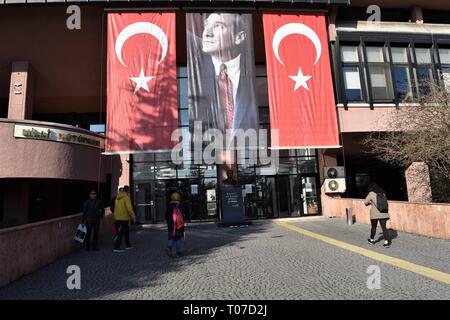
[(141, 82), (300, 80)]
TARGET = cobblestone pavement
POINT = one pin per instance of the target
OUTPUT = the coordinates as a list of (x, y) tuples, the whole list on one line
[(262, 261)]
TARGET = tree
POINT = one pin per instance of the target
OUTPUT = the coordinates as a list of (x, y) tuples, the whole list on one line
[(419, 133)]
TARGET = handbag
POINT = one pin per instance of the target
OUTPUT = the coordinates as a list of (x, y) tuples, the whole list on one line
[(80, 233)]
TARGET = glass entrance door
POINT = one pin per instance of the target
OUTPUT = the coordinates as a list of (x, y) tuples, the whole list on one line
[(310, 195), (144, 202), (289, 197)]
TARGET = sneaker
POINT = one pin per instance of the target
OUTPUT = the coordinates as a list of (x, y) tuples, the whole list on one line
[(118, 250), (371, 241), (129, 248), (387, 244)]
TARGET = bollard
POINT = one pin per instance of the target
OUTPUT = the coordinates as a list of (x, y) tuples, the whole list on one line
[(348, 212)]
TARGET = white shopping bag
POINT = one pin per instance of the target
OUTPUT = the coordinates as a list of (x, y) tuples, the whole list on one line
[(80, 234)]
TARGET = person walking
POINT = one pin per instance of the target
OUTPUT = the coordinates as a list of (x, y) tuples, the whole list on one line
[(93, 211), (115, 227), (379, 212), (175, 224), (123, 214)]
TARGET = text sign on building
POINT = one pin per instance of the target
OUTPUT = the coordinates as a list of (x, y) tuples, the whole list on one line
[(58, 135)]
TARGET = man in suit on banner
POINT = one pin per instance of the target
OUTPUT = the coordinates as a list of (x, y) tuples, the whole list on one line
[(221, 71)]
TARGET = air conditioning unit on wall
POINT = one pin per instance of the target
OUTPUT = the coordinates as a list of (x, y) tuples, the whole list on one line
[(334, 179), (335, 185)]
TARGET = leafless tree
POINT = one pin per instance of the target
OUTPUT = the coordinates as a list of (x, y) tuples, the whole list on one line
[(420, 133)]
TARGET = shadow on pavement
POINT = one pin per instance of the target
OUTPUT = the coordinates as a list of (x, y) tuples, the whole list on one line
[(106, 273)]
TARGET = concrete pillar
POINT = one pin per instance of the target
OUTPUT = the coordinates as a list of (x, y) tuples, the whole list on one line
[(332, 24), (416, 15), (124, 178), (21, 92), (326, 159), (418, 182)]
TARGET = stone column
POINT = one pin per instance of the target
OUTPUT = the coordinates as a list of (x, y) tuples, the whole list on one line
[(124, 178), (332, 24), (418, 182), (327, 158), (20, 95)]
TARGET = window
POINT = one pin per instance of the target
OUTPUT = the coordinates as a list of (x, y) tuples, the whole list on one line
[(183, 103), (403, 84), (352, 84), (380, 74), (97, 128), (444, 55), (389, 71), (424, 71), (351, 73)]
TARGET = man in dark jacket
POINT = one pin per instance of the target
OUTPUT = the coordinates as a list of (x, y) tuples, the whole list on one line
[(93, 211)]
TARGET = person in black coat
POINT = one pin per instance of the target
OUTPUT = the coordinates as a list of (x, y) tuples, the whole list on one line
[(93, 211), (174, 235)]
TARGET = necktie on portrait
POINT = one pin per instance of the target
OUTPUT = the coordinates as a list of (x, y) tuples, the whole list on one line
[(226, 95)]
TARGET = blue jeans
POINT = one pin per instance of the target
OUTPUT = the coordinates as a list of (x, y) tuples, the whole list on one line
[(177, 245)]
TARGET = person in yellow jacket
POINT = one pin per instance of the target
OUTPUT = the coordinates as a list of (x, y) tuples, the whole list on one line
[(123, 214)]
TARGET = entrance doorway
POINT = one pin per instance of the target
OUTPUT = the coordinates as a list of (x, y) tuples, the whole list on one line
[(199, 200)]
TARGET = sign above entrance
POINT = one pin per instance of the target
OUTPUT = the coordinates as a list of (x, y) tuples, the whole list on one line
[(58, 135)]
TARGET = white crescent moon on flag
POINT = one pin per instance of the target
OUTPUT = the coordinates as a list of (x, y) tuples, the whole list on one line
[(137, 28), (296, 28)]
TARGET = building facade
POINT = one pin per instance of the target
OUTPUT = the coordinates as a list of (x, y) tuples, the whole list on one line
[(53, 108)]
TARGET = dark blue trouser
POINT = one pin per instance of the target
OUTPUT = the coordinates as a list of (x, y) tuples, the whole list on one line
[(124, 230)]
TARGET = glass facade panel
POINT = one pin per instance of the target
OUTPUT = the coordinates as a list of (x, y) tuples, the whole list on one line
[(444, 55), (352, 84), (399, 55), (287, 166), (262, 94), (165, 170), (143, 171), (307, 165), (380, 77), (183, 93), (184, 117), (403, 87), (349, 54), (446, 77), (375, 54), (311, 195), (424, 77), (423, 55)]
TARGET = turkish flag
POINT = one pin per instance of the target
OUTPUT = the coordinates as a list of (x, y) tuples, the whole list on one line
[(142, 101), (301, 96)]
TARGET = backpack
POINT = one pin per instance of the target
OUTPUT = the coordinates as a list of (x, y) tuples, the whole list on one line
[(382, 203), (178, 219)]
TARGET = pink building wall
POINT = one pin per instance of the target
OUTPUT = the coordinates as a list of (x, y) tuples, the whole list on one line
[(430, 219), (27, 248)]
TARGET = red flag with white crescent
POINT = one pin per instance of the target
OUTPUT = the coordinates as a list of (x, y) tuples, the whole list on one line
[(301, 96), (142, 103)]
